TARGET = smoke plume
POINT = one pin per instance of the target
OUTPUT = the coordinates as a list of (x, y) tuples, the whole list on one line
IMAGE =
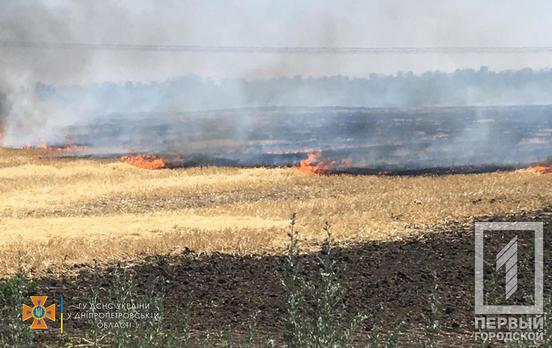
[(151, 100), (3, 108)]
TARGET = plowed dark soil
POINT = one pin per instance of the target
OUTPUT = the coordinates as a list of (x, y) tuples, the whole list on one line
[(388, 281)]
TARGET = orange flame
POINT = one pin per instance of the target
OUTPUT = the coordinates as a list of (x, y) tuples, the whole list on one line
[(145, 162), (541, 169), (68, 147), (314, 164)]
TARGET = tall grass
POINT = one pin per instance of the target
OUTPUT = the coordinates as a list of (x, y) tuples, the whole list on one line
[(14, 292), (316, 312)]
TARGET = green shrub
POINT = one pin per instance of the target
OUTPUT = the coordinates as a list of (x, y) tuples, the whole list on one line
[(316, 312), (14, 292)]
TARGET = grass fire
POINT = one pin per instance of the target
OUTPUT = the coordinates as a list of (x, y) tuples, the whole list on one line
[(46, 201), (544, 168), (215, 208), (316, 165), (200, 214), (308, 174), (145, 161)]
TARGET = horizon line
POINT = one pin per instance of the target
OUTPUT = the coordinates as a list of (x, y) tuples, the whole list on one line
[(306, 50)]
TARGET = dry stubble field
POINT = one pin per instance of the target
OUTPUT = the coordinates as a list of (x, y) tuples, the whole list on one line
[(57, 212)]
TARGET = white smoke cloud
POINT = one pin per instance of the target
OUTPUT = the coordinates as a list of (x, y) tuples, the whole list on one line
[(325, 23)]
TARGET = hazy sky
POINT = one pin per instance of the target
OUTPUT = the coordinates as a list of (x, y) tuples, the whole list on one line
[(385, 23)]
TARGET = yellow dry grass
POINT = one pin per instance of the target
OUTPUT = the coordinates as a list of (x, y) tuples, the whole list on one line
[(56, 212)]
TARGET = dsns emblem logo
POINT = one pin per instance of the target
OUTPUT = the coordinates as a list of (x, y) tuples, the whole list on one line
[(39, 312)]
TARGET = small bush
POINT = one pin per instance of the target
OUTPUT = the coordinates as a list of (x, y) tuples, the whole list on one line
[(316, 312), (14, 292)]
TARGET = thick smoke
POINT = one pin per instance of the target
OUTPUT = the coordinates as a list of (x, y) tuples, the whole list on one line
[(137, 100), (3, 108)]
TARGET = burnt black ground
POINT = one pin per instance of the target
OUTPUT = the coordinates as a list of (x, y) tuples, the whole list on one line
[(373, 138), (388, 281)]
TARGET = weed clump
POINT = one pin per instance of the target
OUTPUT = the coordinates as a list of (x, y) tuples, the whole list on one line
[(14, 292), (316, 311)]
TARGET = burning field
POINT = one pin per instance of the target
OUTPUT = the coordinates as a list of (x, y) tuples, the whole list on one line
[(211, 225), (214, 221), (275, 174), (203, 227), (78, 210)]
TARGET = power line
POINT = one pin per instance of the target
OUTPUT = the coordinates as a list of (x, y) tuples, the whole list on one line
[(273, 49)]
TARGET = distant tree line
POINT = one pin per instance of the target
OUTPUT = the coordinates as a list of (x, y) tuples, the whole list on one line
[(187, 93)]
